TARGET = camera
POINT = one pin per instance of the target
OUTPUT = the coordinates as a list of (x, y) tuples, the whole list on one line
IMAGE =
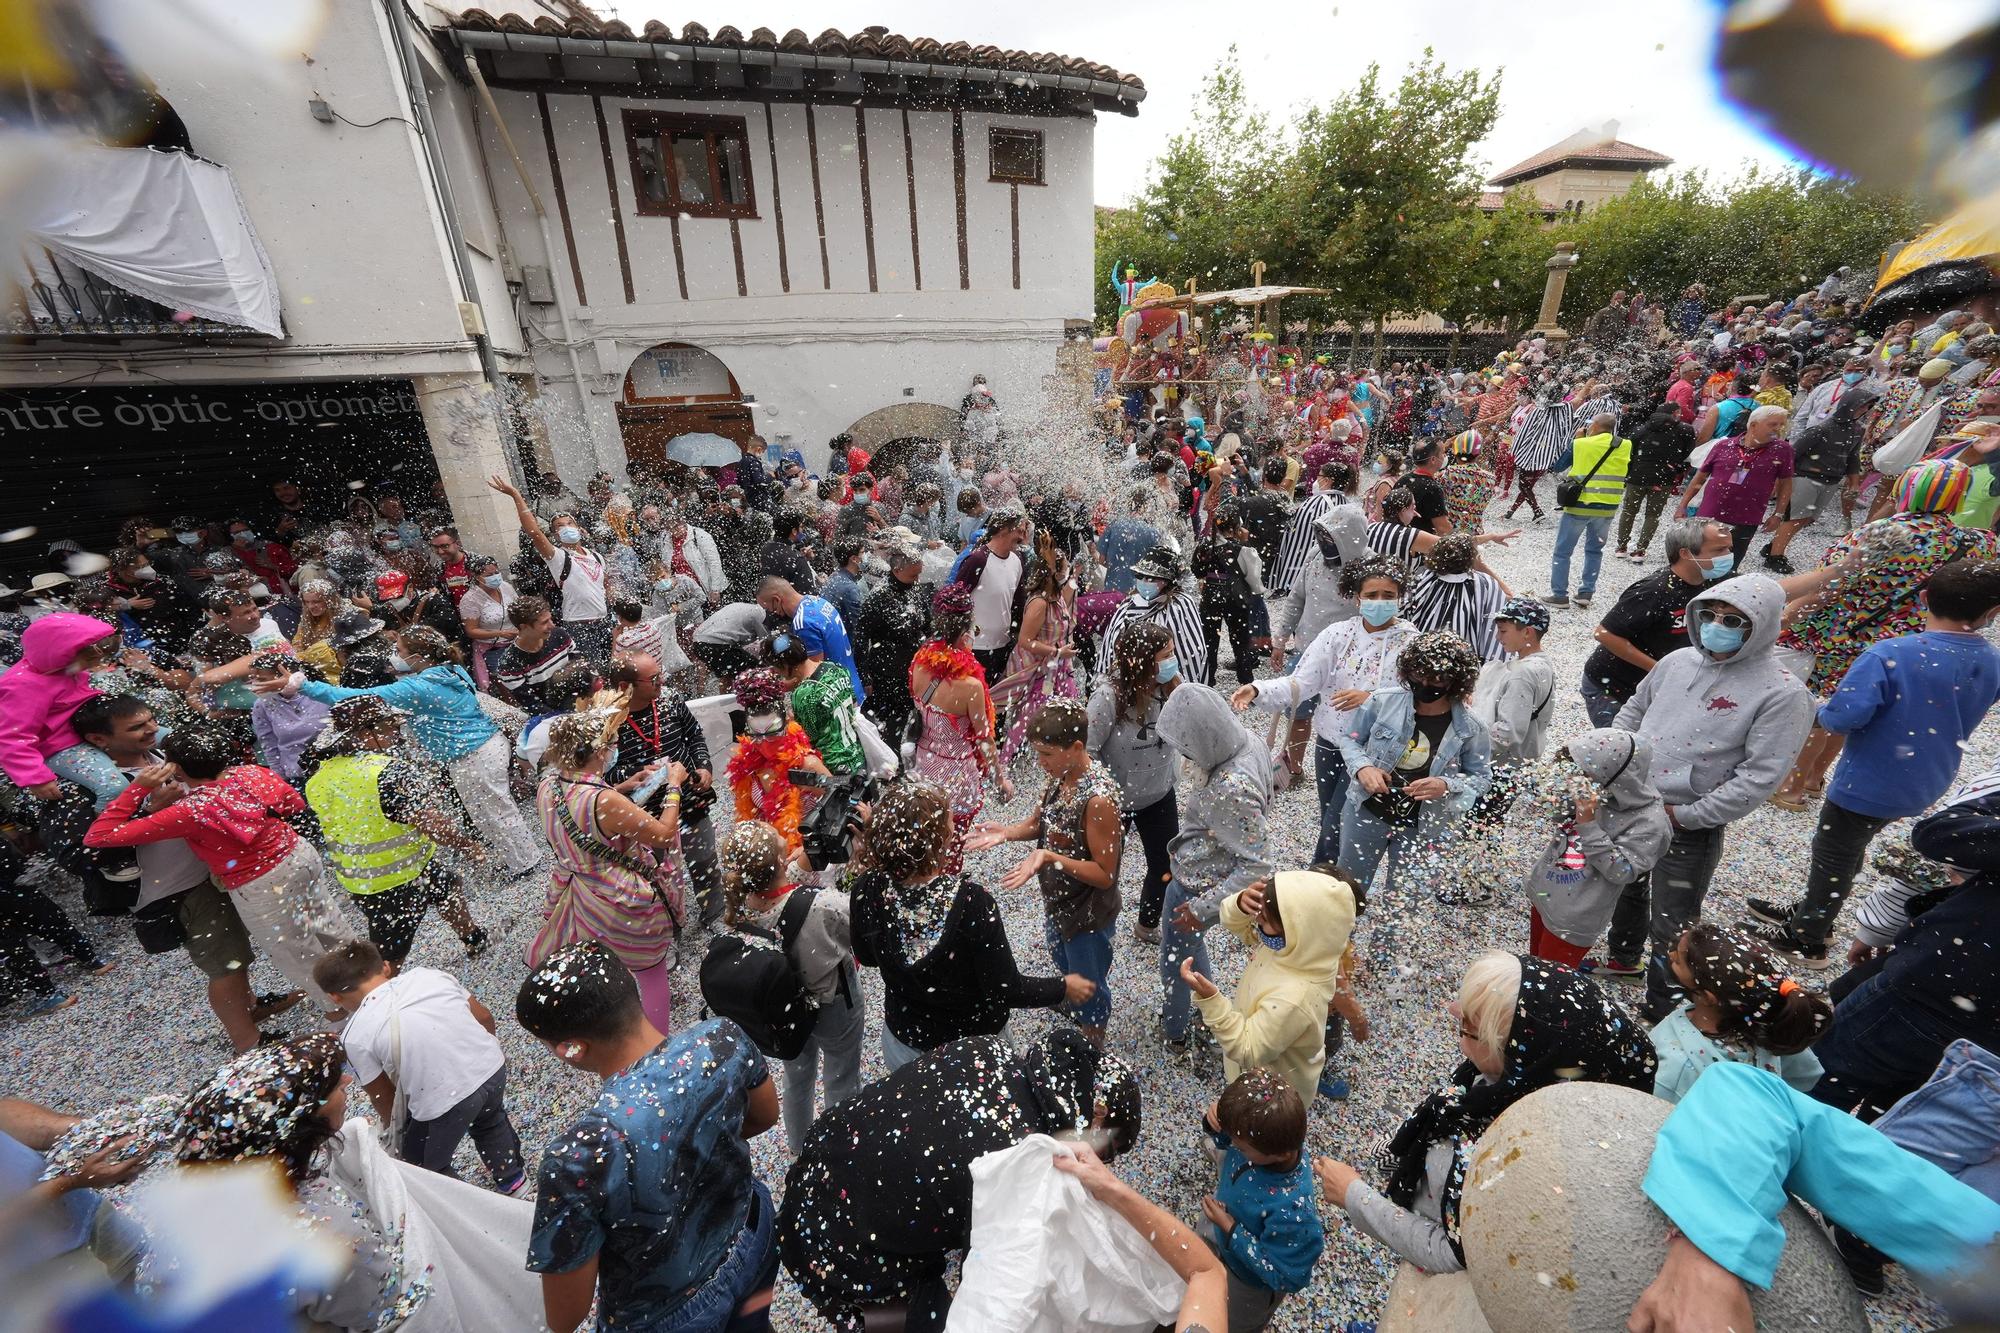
[(827, 830)]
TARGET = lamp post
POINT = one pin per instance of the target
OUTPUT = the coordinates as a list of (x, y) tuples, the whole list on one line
[(1560, 263)]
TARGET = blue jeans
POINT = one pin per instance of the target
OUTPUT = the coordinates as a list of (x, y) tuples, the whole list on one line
[(1592, 531), (1881, 1048), (1330, 770), (1598, 706), (894, 1054), (1953, 1121), (748, 1268), (1089, 956), (1176, 944), (833, 1051)]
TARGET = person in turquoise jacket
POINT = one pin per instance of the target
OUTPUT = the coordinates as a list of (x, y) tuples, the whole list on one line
[(452, 726), (1263, 1220)]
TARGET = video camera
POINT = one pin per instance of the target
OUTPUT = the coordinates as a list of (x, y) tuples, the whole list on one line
[(827, 830)]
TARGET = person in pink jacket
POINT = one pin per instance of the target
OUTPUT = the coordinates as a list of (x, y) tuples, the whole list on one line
[(39, 693)]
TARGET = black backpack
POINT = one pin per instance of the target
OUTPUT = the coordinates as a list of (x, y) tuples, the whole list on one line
[(748, 976)]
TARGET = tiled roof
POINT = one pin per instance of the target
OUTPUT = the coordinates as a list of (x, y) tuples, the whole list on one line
[(873, 43), (1609, 151)]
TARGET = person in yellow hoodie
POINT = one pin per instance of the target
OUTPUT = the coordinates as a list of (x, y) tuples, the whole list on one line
[(1296, 926)]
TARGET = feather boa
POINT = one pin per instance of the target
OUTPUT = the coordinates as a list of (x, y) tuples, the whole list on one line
[(942, 662), (765, 763)]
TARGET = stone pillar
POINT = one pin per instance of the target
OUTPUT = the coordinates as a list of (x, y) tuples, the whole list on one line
[(465, 438), (1560, 263)]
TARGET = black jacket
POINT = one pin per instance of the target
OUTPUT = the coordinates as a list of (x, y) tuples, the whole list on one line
[(1660, 447), (1947, 960)]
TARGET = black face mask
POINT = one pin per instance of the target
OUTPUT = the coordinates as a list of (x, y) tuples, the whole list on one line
[(1329, 549), (1427, 694)]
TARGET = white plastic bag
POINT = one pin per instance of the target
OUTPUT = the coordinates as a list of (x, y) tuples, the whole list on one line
[(1048, 1258), (1911, 443), (883, 761)]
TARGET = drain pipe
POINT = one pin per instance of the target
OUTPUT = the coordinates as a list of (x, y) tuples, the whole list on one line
[(420, 105), (542, 221)]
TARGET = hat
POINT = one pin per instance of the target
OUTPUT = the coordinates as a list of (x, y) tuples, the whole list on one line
[(1935, 486), (900, 546), (351, 627), (49, 582), (391, 583), (1162, 563), (364, 711), (1465, 444), (1934, 369), (157, 534), (1524, 611)]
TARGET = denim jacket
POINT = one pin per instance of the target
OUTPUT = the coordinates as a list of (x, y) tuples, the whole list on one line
[(1381, 731)]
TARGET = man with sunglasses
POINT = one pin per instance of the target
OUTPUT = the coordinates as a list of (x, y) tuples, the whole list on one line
[(1726, 720)]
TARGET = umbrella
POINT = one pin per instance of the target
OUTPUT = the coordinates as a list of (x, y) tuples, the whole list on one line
[(1951, 261), (703, 449)]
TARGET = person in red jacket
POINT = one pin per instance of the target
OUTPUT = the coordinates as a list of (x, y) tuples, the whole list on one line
[(233, 816)]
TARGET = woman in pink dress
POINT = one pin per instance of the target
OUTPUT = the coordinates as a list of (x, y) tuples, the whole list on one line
[(956, 750), (1043, 665)]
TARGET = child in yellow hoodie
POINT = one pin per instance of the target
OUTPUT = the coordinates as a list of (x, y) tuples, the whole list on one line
[(1296, 926)]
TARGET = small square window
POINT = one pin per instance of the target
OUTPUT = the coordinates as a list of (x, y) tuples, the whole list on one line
[(1015, 156), (692, 165)]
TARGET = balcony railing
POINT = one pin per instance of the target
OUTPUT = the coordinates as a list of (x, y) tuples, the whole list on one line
[(56, 299)]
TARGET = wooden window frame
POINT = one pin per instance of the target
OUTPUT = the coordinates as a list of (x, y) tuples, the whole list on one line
[(1041, 142), (661, 126)]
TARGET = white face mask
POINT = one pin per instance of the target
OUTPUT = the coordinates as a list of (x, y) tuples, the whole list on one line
[(397, 662), (146, 575), (259, 590)]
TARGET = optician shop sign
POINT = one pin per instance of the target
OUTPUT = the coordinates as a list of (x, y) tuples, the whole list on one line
[(95, 413)]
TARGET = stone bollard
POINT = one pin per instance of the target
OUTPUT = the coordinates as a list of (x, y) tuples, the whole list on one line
[(1559, 1238), (1421, 1302)]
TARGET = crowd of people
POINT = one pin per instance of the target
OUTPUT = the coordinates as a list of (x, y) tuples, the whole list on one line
[(291, 736)]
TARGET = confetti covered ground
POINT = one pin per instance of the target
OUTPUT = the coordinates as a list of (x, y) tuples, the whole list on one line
[(143, 1028)]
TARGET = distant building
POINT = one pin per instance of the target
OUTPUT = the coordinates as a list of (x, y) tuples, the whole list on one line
[(1581, 172)]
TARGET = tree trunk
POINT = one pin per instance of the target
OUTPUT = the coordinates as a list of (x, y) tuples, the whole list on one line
[(1353, 340), (1381, 321), (1451, 348)]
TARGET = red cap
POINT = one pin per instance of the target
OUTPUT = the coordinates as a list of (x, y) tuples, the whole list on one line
[(391, 584)]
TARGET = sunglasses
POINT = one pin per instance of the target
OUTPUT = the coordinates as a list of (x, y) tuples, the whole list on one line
[(1726, 619)]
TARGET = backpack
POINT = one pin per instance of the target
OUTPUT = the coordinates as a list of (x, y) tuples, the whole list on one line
[(748, 976)]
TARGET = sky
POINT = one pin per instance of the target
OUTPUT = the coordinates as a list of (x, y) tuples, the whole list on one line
[(1567, 66)]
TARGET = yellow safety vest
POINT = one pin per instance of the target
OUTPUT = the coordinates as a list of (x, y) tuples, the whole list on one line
[(371, 853), (1603, 493)]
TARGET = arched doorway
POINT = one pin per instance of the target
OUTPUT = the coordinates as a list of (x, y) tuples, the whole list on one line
[(901, 425), (672, 389)]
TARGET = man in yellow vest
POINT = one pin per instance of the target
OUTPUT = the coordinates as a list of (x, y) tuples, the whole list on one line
[(1590, 491), (384, 820)]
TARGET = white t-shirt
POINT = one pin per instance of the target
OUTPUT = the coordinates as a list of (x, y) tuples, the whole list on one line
[(445, 1053), (993, 601), (583, 590)]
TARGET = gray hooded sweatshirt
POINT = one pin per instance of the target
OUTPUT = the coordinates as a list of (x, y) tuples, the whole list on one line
[(1315, 601), (1724, 730), (1624, 841), (1224, 844)]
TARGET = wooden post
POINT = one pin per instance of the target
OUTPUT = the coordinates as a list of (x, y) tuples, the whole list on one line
[(1256, 273)]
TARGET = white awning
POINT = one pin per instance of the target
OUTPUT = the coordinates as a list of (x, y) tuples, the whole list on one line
[(162, 225)]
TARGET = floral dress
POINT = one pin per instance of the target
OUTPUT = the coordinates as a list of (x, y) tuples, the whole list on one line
[(1879, 600), (1468, 489), (1032, 681)]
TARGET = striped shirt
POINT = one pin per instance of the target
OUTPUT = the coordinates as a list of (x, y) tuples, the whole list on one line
[(1544, 436), (526, 675), (1180, 612), (1298, 541), (1462, 603)]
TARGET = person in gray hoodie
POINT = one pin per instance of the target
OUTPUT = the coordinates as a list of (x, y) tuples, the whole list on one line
[(1224, 843), (1602, 842), (1726, 720)]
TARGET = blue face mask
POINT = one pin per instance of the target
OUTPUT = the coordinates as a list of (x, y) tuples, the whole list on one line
[(1146, 592), (1169, 669), (568, 536), (1271, 942), (1720, 638), (1852, 377), (1719, 567), (1378, 612)]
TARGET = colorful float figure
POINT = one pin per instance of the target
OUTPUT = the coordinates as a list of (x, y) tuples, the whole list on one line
[(1126, 282)]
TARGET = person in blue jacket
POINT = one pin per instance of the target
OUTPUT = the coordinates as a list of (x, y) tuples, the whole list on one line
[(1907, 707), (454, 729)]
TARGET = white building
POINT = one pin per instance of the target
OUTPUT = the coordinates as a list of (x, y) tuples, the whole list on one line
[(796, 237), (654, 232)]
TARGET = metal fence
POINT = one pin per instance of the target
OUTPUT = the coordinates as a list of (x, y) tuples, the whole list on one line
[(53, 298)]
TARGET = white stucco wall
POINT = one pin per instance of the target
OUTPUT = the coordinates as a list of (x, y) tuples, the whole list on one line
[(828, 351)]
